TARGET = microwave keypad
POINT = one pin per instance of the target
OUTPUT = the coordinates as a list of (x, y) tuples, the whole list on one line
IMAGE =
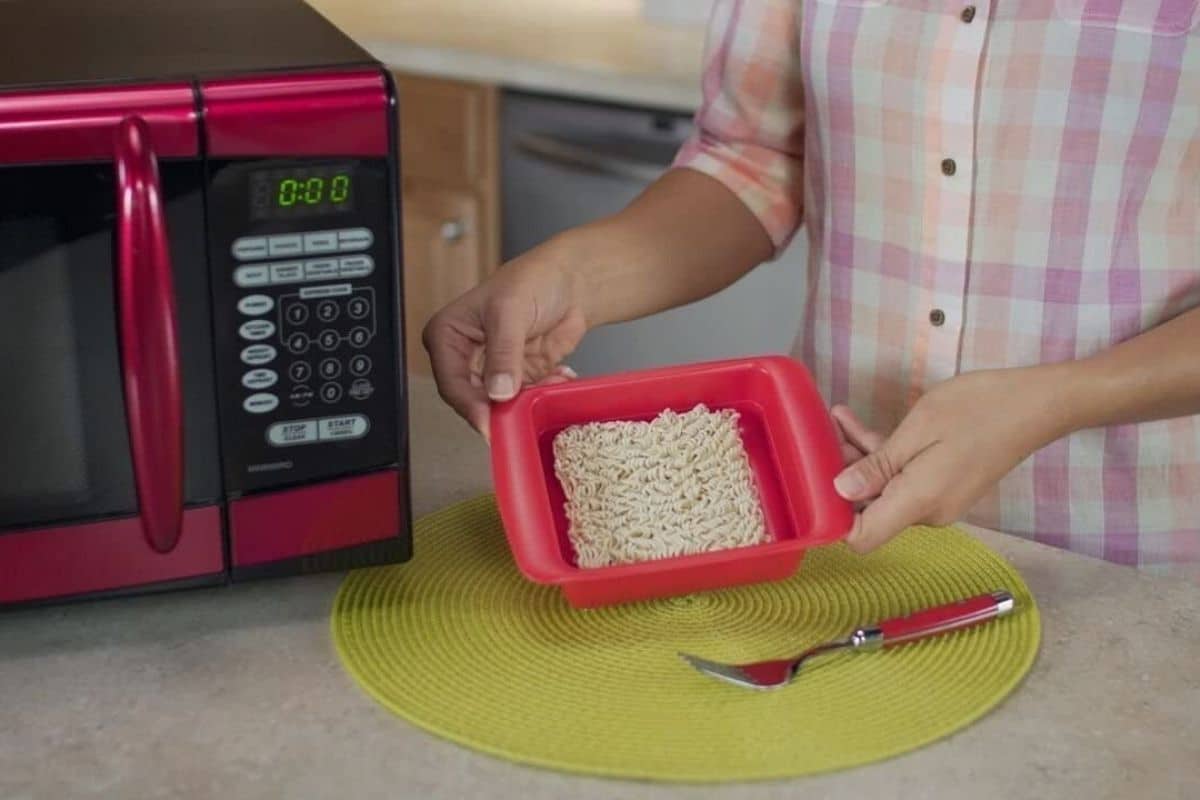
[(307, 346), (323, 330), (319, 333), (314, 364)]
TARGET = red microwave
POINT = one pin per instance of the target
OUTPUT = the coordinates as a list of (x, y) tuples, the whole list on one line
[(201, 365)]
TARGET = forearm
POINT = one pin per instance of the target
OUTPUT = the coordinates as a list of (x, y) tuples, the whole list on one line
[(1153, 376), (684, 238)]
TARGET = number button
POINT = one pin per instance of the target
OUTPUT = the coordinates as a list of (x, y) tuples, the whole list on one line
[(331, 392), (298, 343), (360, 365), (297, 313), (330, 368), (300, 396), (359, 337), (329, 340), (327, 311), (300, 371), (358, 307)]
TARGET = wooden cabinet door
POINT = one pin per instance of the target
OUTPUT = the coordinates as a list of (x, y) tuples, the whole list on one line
[(450, 183), (447, 128), (443, 257)]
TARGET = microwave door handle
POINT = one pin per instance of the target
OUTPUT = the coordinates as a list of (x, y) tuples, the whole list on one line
[(149, 337)]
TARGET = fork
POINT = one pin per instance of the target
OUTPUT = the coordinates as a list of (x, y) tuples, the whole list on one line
[(889, 633)]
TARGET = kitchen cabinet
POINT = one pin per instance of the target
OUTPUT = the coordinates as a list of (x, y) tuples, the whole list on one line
[(450, 179)]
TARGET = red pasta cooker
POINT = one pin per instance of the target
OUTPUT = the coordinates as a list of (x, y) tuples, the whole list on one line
[(788, 435)]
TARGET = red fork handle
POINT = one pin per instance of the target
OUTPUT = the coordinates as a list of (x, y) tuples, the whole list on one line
[(936, 621), (149, 337)]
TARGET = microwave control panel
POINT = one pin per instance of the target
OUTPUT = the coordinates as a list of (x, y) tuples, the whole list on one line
[(305, 314)]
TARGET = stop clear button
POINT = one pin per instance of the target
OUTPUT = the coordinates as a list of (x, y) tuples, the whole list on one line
[(285, 434), (351, 426)]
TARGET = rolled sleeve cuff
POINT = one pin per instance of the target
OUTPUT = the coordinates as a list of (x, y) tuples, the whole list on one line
[(765, 180)]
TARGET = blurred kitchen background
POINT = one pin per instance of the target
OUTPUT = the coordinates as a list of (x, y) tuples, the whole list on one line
[(524, 117)]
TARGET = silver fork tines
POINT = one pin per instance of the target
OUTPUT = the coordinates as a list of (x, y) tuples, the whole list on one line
[(725, 672)]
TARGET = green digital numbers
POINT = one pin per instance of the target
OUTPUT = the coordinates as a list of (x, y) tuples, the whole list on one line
[(289, 190), (340, 190), (313, 191)]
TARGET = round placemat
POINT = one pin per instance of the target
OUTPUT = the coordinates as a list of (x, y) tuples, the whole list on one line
[(458, 643)]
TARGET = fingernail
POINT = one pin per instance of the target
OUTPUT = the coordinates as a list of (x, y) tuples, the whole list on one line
[(849, 484), (500, 387), (563, 369)]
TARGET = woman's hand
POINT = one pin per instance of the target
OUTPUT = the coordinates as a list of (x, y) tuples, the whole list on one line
[(956, 443), (512, 330), (682, 239)]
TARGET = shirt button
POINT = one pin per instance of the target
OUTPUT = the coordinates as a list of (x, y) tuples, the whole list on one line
[(968, 14), (948, 166), (937, 317)]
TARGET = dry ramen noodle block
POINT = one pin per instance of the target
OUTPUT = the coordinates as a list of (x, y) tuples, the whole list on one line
[(678, 485)]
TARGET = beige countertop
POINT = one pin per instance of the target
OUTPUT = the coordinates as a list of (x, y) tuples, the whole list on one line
[(237, 693), (595, 49)]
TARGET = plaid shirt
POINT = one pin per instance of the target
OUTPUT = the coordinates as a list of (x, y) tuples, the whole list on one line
[(982, 186)]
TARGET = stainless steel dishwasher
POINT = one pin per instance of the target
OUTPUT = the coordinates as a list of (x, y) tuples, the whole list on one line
[(567, 162)]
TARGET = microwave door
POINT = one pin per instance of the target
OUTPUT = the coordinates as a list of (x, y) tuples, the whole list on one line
[(58, 461), (109, 476)]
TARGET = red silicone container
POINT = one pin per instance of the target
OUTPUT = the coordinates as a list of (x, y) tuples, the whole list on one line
[(787, 432)]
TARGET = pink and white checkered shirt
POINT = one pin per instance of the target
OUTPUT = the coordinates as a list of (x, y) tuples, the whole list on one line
[(982, 186)]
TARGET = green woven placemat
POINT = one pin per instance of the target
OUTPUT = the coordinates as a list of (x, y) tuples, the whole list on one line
[(458, 643)]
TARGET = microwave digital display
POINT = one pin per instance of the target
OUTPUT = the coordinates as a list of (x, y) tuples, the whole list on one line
[(302, 191)]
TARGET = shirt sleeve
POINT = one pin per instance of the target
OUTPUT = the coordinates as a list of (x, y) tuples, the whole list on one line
[(750, 125)]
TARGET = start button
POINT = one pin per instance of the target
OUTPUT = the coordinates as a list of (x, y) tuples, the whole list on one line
[(351, 426)]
